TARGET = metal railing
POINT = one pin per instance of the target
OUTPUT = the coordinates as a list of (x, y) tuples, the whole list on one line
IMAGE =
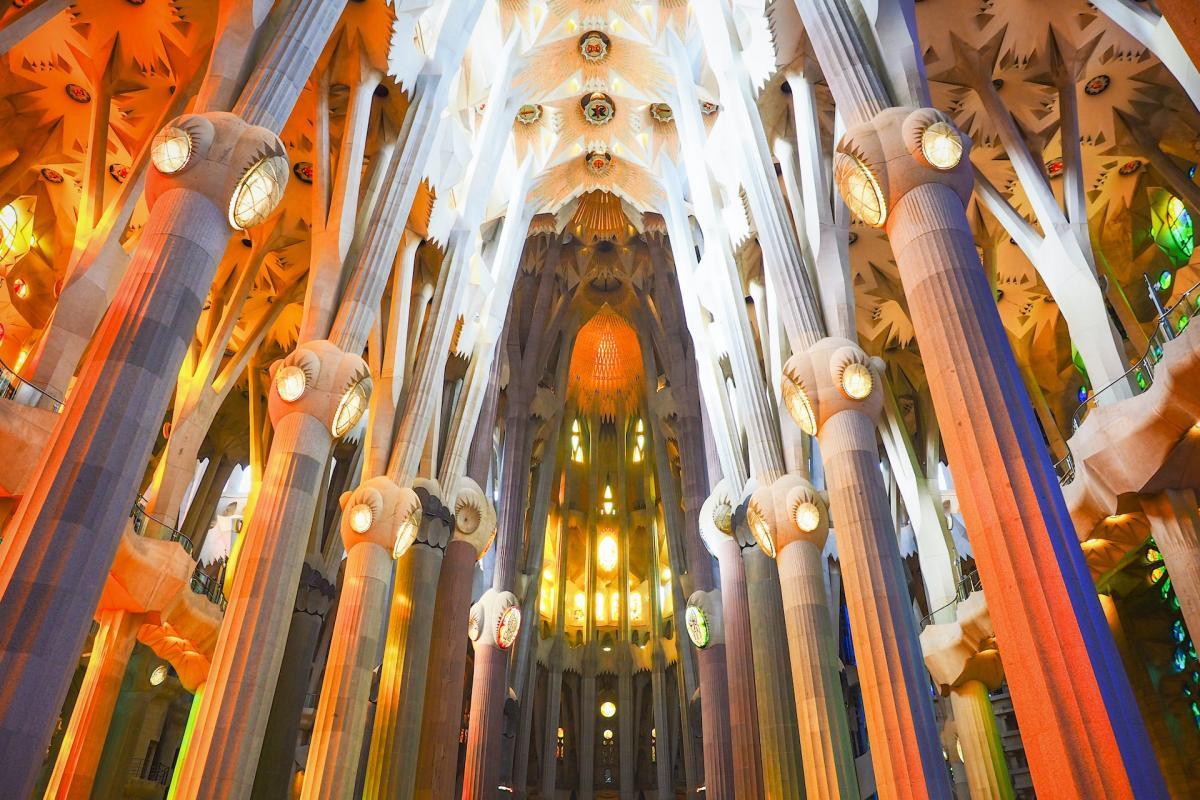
[(1064, 468), (202, 583), (14, 387), (153, 772), (1140, 376), (966, 587)]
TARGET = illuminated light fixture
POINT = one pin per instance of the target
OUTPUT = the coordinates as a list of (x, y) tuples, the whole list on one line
[(608, 709), (608, 734), (697, 626), (857, 381), (361, 518), (561, 733), (808, 516), (406, 533), (548, 574), (159, 675), (290, 382), (606, 553), (171, 150), (761, 530), (258, 192), (508, 627), (666, 574), (860, 189), (351, 407), (941, 146), (608, 508), (799, 406)]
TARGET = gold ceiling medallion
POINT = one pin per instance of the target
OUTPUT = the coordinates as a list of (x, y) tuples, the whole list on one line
[(661, 112), (529, 113), (598, 108), (593, 46), (599, 162)]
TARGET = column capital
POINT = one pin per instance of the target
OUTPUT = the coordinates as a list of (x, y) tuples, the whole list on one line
[(474, 516), (962, 651), (224, 158), (495, 620), (321, 380), (832, 376), (787, 511), (704, 619), (717, 518), (382, 513)]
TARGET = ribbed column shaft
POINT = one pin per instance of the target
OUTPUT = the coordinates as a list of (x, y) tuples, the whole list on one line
[(983, 752), (62, 539), (79, 754), (396, 739), (520, 768), (241, 682), (587, 730), (1175, 525), (827, 756), (905, 750), (550, 735), (844, 59), (664, 783), (739, 653), (1068, 687), (779, 733), (625, 716), (482, 770), (284, 68), (340, 724), (714, 713), (437, 759)]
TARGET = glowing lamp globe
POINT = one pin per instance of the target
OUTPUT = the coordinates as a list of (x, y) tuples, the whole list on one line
[(608, 734), (697, 626), (761, 530), (290, 382), (351, 408), (608, 709), (258, 192), (861, 190), (857, 381), (808, 516), (941, 146), (508, 627), (159, 675), (171, 150), (799, 406), (406, 534), (361, 518)]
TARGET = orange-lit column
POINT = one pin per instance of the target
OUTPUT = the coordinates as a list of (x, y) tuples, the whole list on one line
[(58, 547), (789, 518), (379, 522)]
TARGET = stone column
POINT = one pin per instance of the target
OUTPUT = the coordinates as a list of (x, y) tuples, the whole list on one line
[(79, 754), (963, 661), (553, 708), (1175, 525), (494, 623), (626, 713), (719, 770), (832, 391), (63, 536), (587, 721), (783, 775), (328, 390), (795, 516), (437, 756), (665, 785), (379, 522), (716, 526)]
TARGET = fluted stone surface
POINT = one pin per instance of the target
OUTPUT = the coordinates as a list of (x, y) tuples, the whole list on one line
[(245, 667), (905, 750), (983, 752), (437, 759), (391, 769), (824, 732), (481, 773), (778, 729), (340, 724), (1175, 525), (739, 653), (1082, 731), (79, 754)]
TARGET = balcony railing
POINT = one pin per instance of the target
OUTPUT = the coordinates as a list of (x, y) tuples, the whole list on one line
[(966, 587), (14, 387), (153, 772), (1140, 376), (202, 583)]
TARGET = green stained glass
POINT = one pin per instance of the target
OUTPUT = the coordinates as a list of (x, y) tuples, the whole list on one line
[(1172, 229), (1141, 380), (1179, 662), (1165, 588), (1164, 280), (1153, 556), (1182, 324), (1178, 633), (1158, 574)]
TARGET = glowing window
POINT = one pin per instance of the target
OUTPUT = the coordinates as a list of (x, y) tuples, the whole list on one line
[(606, 553)]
